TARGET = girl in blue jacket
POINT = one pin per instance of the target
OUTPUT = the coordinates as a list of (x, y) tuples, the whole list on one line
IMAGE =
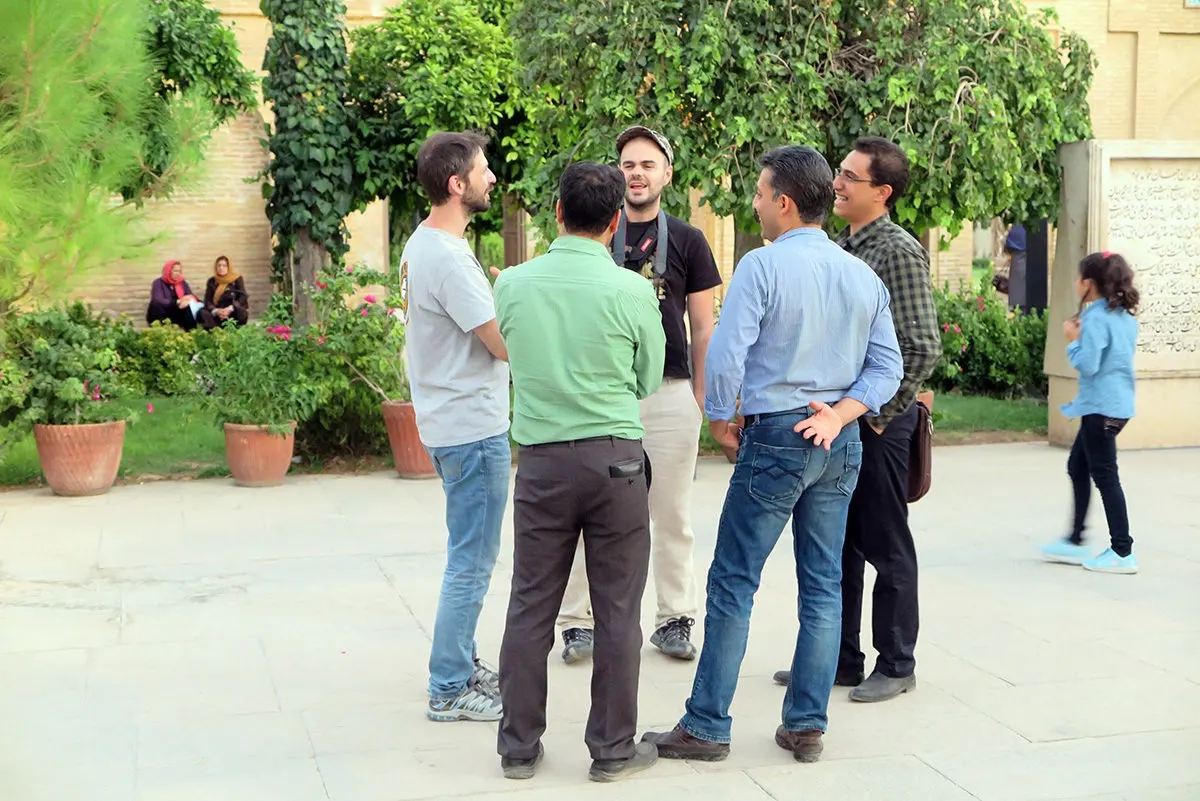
[(1101, 341)]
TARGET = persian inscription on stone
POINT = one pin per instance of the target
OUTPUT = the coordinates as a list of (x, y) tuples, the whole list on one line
[(1154, 221)]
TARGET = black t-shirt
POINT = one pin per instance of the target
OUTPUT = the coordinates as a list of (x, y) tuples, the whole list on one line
[(690, 268)]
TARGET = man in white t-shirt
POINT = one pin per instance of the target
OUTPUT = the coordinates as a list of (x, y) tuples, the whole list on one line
[(458, 371)]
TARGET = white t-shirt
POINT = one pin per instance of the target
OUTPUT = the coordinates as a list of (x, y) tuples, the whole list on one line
[(459, 390)]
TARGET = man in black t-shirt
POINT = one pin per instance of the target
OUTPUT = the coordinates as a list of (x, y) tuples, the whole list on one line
[(676, 259)]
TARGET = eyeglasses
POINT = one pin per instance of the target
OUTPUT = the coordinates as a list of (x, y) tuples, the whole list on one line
[(852, 178)]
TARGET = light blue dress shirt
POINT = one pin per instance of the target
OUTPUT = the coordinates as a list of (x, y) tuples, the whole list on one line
[(802, 320), (1103, 355)]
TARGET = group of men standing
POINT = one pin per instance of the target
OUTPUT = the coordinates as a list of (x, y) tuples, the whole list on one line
[(811, 376)]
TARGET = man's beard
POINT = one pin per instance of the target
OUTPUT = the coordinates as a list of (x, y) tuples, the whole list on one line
[(642, 205), (476, 201)]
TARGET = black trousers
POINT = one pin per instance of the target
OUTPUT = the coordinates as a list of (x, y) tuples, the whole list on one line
[(1094, 458), (877, 532), (562, 490)]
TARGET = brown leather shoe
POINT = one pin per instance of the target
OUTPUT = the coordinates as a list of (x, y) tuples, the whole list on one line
[(806, 746), (678, 744)]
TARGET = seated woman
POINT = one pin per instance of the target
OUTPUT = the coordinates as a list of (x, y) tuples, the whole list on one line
[(225, 296), (172, 299)]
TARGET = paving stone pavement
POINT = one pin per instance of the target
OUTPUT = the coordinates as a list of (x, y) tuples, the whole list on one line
[(180, 641)]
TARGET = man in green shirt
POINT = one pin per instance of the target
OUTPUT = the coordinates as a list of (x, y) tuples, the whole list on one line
[(585, 343)]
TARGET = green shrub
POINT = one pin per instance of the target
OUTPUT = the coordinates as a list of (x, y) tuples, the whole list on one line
[(988, 350)]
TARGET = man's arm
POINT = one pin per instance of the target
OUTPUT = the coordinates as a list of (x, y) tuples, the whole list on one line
[(700, 320), (883, 368), (650, 342), (468, 300), (738, 329), (906, 275), (489, 335)]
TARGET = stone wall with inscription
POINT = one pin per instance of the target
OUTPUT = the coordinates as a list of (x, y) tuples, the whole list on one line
[(1140, 199)]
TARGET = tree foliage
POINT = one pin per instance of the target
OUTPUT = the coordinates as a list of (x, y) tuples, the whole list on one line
[(311, 168), (976, 91), (196, 56), (431, 65), (76, 106)]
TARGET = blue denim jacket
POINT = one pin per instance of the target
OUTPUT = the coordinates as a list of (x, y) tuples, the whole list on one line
[(1103, 355)]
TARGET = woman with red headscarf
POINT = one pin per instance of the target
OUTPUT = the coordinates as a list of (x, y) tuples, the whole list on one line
[(172, 299)]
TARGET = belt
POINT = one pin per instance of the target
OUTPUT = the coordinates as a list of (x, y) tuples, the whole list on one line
[(751, 419), (571, 443)]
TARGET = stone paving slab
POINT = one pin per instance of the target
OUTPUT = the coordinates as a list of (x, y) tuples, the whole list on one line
[(151, 651)]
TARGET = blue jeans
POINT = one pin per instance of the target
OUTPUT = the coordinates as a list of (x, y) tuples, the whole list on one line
[(475, 479), (778, 474)]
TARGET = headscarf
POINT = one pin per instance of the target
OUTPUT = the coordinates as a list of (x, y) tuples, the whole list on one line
[(171, 282), (223, 281)]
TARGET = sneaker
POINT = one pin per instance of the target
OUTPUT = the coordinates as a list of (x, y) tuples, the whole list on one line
[(486, 676), (522, 768), (674, 638), (611, 770), (477, 702), (1108, 562), (577, 645), (1066, 552)]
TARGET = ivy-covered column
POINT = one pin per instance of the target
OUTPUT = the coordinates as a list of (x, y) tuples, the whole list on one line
[(311, 169)]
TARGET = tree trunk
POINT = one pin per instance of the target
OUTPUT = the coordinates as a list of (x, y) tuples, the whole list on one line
[(308, 258), (515, 250), (743, 243), (478, 245)]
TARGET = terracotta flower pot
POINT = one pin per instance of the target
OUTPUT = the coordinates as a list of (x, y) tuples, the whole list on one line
[(256, 457), (412, 460), (80, 460)]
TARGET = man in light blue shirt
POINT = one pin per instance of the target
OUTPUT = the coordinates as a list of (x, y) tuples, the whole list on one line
[(806, 338)]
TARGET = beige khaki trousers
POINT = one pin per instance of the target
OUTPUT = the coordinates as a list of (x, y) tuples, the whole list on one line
[(672, 422)]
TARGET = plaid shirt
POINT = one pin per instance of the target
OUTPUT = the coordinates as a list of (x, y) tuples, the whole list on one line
[(903, 265)]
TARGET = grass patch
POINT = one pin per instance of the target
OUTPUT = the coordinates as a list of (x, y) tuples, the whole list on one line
[(962, 418), (176, 440)]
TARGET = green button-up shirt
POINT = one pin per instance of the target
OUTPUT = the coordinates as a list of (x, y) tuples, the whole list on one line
[(585, 343)]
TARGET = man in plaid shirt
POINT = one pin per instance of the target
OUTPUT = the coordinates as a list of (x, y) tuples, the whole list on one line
[(871, 178)]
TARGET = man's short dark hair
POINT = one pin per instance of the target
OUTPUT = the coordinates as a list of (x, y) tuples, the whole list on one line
[(591, 194), (804, 175), (889, 165), (443, 156)]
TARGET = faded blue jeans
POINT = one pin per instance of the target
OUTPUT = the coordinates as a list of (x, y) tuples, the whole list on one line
[(778, 474), (475, 479)]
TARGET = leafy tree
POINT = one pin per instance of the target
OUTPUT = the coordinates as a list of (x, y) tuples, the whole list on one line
[(76, 105), (195, 54), (976, 91), (311, 170), (432, 65)]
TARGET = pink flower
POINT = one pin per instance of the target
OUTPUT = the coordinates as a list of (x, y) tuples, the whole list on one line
[(85, 386), (369, 298), (964, 349), (349, 271), (365, 311), (95, 396), (321, 285), (320, 340), (945, 326), (957, 330), (149, 408), (285, 337)]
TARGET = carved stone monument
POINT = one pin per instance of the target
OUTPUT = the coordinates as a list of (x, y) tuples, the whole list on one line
[(1140, 199)]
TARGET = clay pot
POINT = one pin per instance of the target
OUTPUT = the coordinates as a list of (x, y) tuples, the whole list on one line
[(80, 460), (412, 460), (256, 457)]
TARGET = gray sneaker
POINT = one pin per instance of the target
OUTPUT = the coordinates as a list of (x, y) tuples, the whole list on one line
[(485, 675), (577, 645), (477, 702), (674, 638), (610, 770)]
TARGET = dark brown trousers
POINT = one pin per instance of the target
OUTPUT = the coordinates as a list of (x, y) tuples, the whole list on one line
[(563, 489)]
